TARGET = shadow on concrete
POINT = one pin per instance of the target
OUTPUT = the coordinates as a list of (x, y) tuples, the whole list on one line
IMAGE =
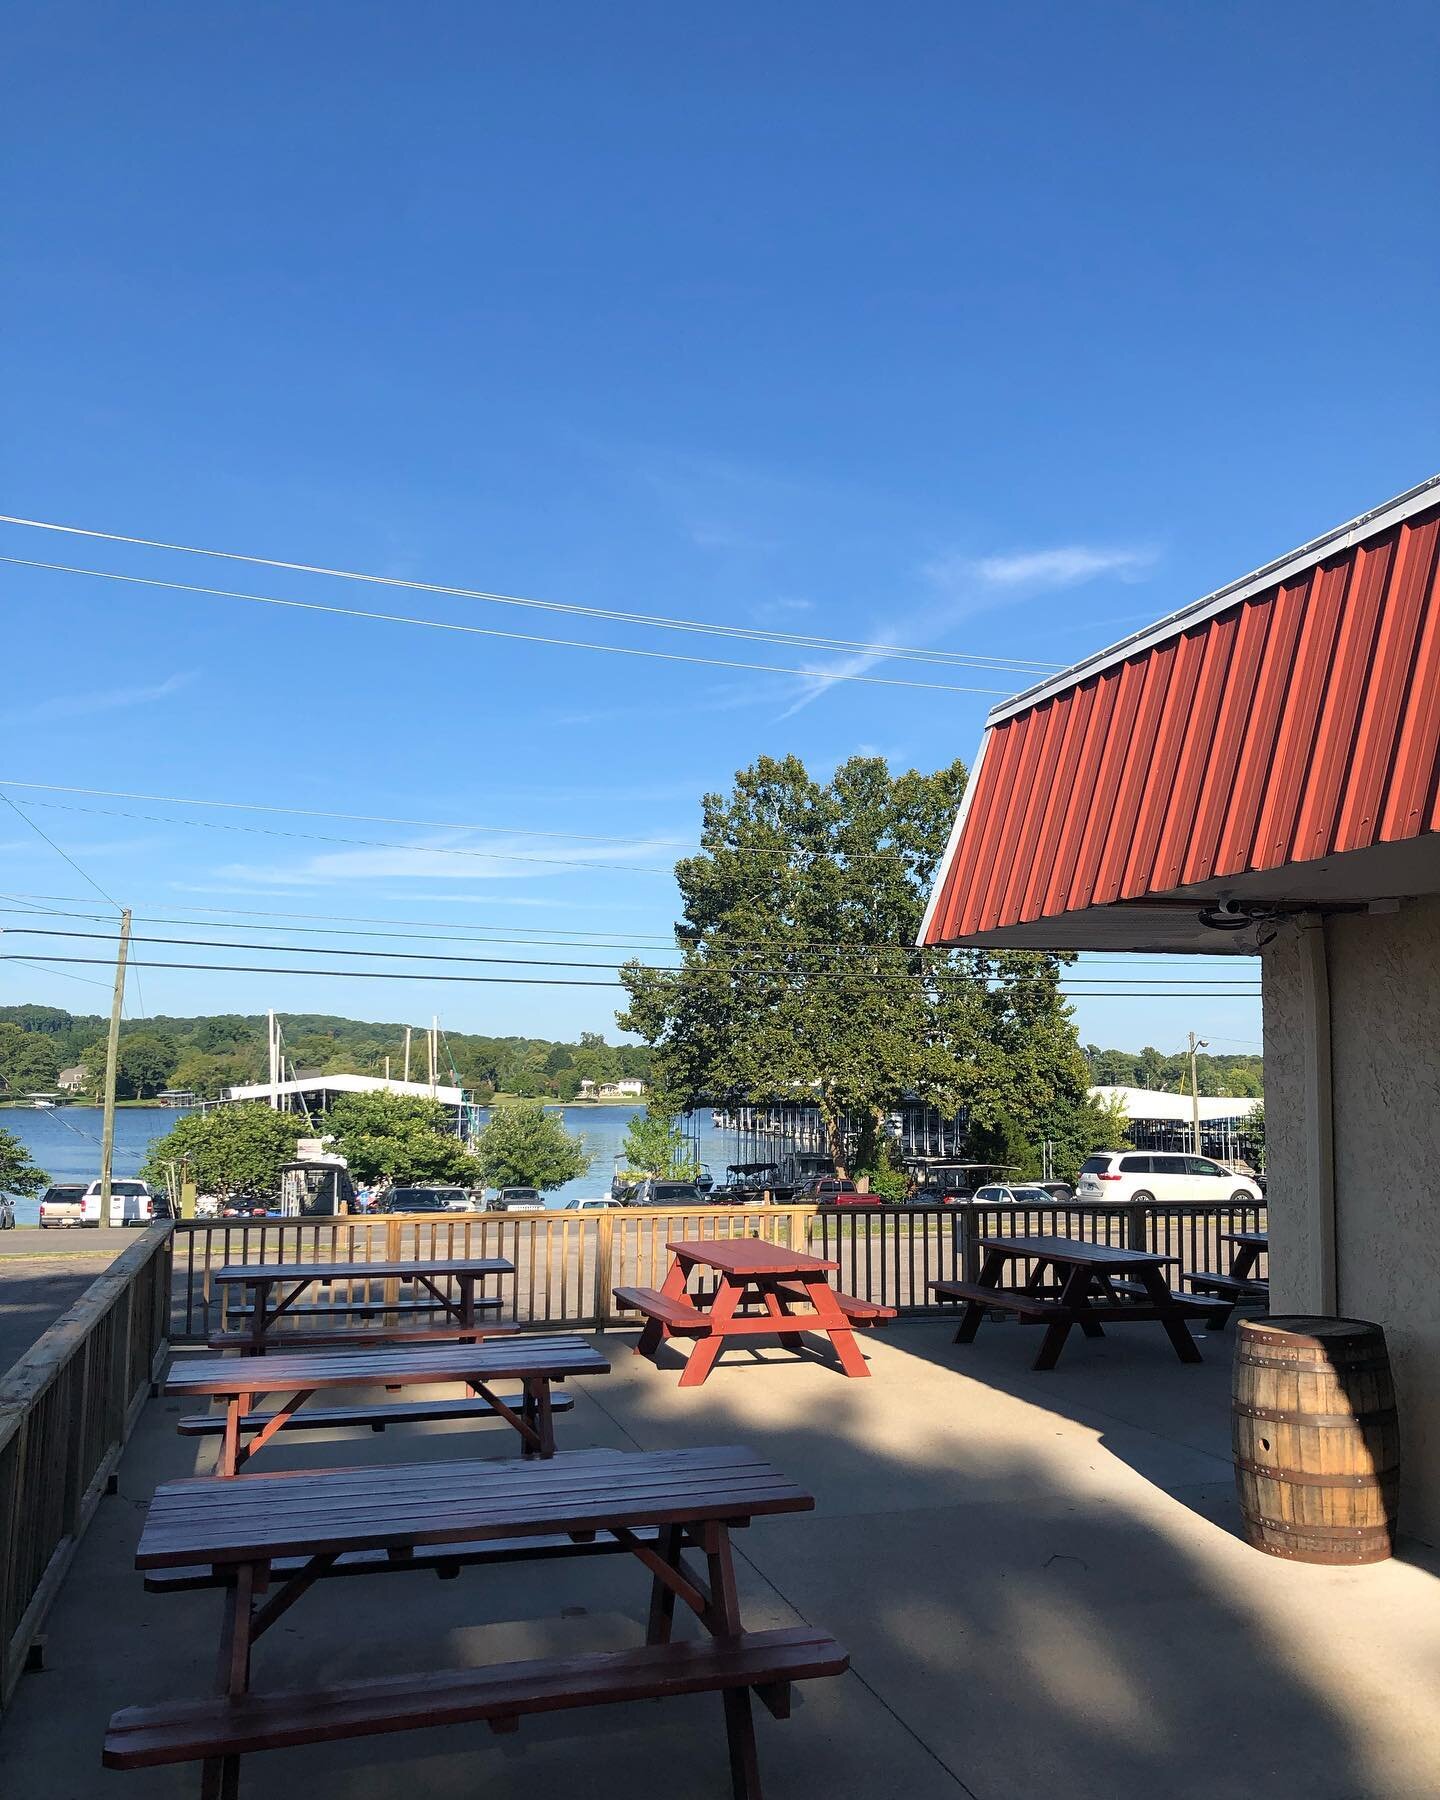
[(1034, 1593)]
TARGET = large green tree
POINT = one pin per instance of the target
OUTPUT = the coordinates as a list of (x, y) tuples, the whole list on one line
[(18, 1175), (654, 1144), (231, 1150), (800, 980), (404, 1137), (524, 1146)]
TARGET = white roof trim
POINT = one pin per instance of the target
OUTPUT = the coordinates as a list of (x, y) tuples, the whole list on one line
[(1368, 525), (938, 884)]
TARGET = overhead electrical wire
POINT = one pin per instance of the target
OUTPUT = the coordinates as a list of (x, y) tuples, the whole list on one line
[(610, 615), (940, 974), (489, 631), (19, 811), (496, 980)]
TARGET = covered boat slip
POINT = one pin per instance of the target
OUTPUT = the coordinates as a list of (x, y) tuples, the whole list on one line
[(1259, 773)]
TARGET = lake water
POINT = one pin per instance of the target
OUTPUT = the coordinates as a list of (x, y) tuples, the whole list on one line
[(65, 1142)]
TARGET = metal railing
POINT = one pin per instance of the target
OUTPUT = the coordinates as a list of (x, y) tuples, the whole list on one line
[(566, 1264), (66, 1410)]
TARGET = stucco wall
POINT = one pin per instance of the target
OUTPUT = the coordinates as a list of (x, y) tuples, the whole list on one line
[(1384, 979)]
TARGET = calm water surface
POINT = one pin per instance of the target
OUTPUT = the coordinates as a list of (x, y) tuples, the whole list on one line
[(65, 1142)]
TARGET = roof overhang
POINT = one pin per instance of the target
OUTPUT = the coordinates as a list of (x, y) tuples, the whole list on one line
[(1275, 745)]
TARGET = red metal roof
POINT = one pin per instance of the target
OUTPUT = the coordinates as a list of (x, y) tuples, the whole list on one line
[(1292, 717)]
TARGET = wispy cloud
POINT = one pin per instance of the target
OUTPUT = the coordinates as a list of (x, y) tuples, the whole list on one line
[(71, 706), (449, 860), (1063, 567)]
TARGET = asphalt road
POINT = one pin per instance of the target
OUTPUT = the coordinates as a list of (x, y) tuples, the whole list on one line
[(41, 1274)]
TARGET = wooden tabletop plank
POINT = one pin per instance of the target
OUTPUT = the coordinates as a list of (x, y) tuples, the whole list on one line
[(1077, 1252), (1256, 1240), (358, 1271), (384, 1365), (748, 1256), (410, 1504)]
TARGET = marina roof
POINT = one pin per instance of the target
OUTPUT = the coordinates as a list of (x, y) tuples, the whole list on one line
[(1277, 742), (347, 1084), (1146, 1103)]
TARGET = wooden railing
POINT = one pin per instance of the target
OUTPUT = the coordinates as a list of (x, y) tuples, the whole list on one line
[(66, 1410), (567, 1263)]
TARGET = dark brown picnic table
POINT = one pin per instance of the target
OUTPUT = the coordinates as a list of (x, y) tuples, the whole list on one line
[(1074, 1282), (240, 1381), (752, 1273), (266, 1539), (275, 1289), (1249, 1247)]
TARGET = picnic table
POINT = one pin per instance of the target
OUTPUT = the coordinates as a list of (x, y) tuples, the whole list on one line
[(534, 1362), (752, 1273), (1073, 1283), (264, 1541), (1240, 1283), (275, 1290)]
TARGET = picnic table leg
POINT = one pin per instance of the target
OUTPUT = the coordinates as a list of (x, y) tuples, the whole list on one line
[(790, 1340), (1171, 1317), (703, 1357), (832, 1321), (1246, 1257), (723, 1619), (259, 1319), (1072, 1297), (974, 1312), (228, 1461), (662, 1598), (220, 1775)]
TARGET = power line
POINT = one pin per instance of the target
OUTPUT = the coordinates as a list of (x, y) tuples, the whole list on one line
[(20, 813), (751, 633), (587, 940), (89, 980), (484, 980), (521, 637), (715, 962)]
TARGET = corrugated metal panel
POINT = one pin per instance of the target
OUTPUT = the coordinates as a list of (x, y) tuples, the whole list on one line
[(1301, 721)]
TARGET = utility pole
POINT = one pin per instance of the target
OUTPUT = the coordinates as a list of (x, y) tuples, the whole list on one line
[(1196, 1043), (434, 1052), (407, 1052), (273, 1047), (112, 1065)]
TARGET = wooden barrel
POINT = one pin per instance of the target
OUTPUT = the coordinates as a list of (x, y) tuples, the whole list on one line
[(1317, 1442)]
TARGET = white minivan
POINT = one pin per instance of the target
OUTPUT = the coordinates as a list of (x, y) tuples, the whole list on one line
[(1124, 1175), (131, 1203)]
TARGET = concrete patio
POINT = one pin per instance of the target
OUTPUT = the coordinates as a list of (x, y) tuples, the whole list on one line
[(1037, 1577)]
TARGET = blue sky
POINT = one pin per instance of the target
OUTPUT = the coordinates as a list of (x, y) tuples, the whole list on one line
[(997, 330)]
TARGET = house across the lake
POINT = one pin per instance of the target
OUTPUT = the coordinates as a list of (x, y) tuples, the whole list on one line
[(628, 1087)]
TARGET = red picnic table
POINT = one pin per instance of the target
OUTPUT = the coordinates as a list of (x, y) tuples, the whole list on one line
[(752, 1274)]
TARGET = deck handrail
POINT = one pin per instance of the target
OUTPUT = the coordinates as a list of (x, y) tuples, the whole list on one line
[(67, 1408), (567, 1263)]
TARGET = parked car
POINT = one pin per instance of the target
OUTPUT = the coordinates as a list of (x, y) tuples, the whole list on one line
[(131, 1203), (7, 1213), (518, 1199), (1057, 1190), (424, 1200), (588, 1205), (62, 1203), (1025, 1193), (833, 1190), (943, 1184), (651, 1192), (1119, 1176)]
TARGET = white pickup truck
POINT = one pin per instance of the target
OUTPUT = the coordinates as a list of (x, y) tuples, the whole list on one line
[(131, 1203)]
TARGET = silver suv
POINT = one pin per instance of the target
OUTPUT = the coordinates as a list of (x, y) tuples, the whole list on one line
[(1125, 1175)]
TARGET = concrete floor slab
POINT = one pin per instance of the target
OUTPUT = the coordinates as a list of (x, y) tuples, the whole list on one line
[(1038, 1578)]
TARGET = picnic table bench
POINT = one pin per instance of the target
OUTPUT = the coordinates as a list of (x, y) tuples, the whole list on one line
[(1077, 1283), (534, 1362), (1241, 1283), (753, 1274), (269, 1545), (276, 1290)]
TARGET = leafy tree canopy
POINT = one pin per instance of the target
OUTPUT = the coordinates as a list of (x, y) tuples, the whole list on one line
[(655, 1145), (234, 1149), (18, 1175), (524, 1146), (799, 975), (407, 1139)]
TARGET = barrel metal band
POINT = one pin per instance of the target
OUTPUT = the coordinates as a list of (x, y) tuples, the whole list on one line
[(1299, 1478), (1382, 1415), (1294, 1366)]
